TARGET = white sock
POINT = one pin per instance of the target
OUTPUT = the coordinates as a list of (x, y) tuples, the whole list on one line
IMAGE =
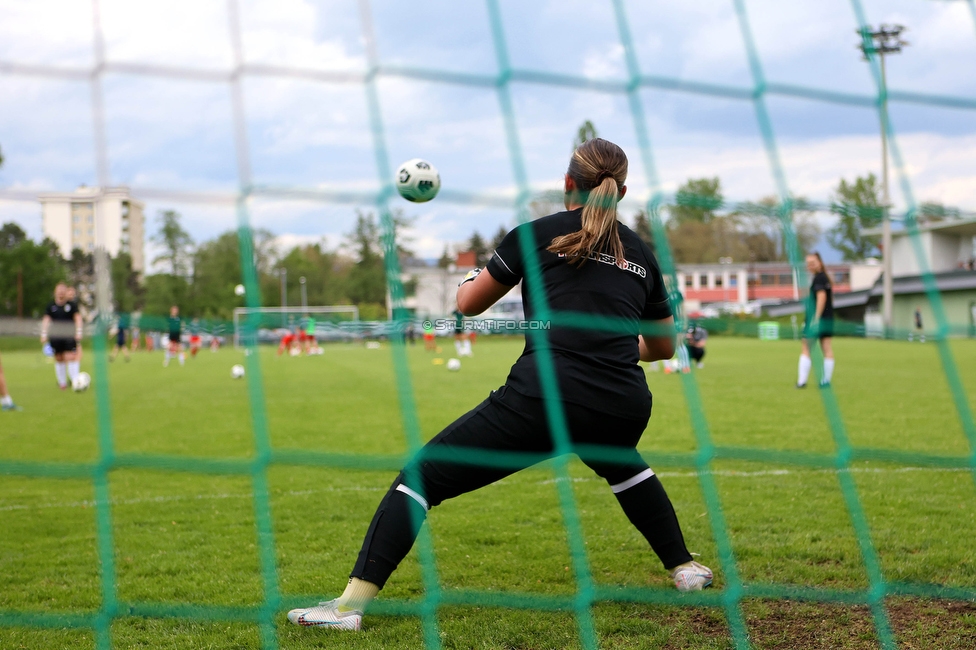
[(61, 372), (182, 358), (683, 360), (828, 370), (74, 367), (166, 359), (7, 400), (804, 370), (458, 348), (357, 596), (467, 348)]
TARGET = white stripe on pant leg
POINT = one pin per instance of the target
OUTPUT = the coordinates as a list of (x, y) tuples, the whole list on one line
[(414, 495), (632, 481)]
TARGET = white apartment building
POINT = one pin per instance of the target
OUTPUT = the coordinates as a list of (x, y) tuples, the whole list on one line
[(93, 217)]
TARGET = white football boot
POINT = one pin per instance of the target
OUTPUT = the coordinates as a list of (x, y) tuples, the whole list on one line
[(691, 576), (327, 615)]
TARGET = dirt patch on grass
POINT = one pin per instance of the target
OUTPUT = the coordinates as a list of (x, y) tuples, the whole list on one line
[(917, 624), (933, 624), (811, 626), (705, 628)]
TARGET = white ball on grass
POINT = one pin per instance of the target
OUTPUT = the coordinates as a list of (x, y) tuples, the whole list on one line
[(453, 365), (81, 382), (237, 371)]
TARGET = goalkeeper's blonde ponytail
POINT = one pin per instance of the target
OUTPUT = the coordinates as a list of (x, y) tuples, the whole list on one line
[(599, 169)]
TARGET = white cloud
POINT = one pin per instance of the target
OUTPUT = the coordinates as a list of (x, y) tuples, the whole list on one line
[(52, 32), (178, 134), (283, 32), (605, 62), (175, 32)]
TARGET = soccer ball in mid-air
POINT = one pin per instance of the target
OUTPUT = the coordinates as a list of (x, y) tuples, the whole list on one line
[(239, 290), (237, 371), (81, 382), (453, 365), (417, 180)]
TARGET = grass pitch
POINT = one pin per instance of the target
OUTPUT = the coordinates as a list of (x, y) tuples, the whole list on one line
[(189, 539)]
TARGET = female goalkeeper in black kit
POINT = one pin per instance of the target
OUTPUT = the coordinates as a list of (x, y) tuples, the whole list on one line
[(590, 264)]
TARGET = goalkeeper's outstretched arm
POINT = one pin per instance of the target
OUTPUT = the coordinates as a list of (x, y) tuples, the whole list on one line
[(478, 292)]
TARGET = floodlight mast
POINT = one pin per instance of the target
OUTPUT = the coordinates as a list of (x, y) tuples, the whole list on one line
[(886, 40)]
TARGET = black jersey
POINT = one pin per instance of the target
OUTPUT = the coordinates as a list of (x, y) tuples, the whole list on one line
[(820, 283), (65, 312), (63, 317), (595, 368), (175, 328)]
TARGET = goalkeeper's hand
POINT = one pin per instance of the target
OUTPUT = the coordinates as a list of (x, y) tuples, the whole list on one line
[(471, 275)]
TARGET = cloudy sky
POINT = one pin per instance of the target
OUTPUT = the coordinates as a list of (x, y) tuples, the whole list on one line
[(169, 112)]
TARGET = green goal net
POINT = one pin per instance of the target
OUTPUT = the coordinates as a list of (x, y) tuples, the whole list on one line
[(733, 591)]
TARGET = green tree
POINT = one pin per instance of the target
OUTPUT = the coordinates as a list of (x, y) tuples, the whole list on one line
[(642, 227), (480, 249), (367, 278), (173, 287), (695, 233), (585, 132), (164, 290), (11, 235), (858, 206), (126, 287), (933, 211), (698, 242), (176, 243), (500, 235), (446, 259), (762, 228), (326, 275), (81, 275), (28, 273), (217, 270), (400, 239), (695, 202)]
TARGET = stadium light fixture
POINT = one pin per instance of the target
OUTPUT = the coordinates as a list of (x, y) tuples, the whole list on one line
[(301, 281), (883, 41)]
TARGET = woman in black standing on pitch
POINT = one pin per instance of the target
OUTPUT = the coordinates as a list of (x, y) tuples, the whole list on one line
[(819, 324), (590, 264)]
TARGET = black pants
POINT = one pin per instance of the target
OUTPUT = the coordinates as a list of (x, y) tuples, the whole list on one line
[(511, 422), (696, 353), (60, 346)]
